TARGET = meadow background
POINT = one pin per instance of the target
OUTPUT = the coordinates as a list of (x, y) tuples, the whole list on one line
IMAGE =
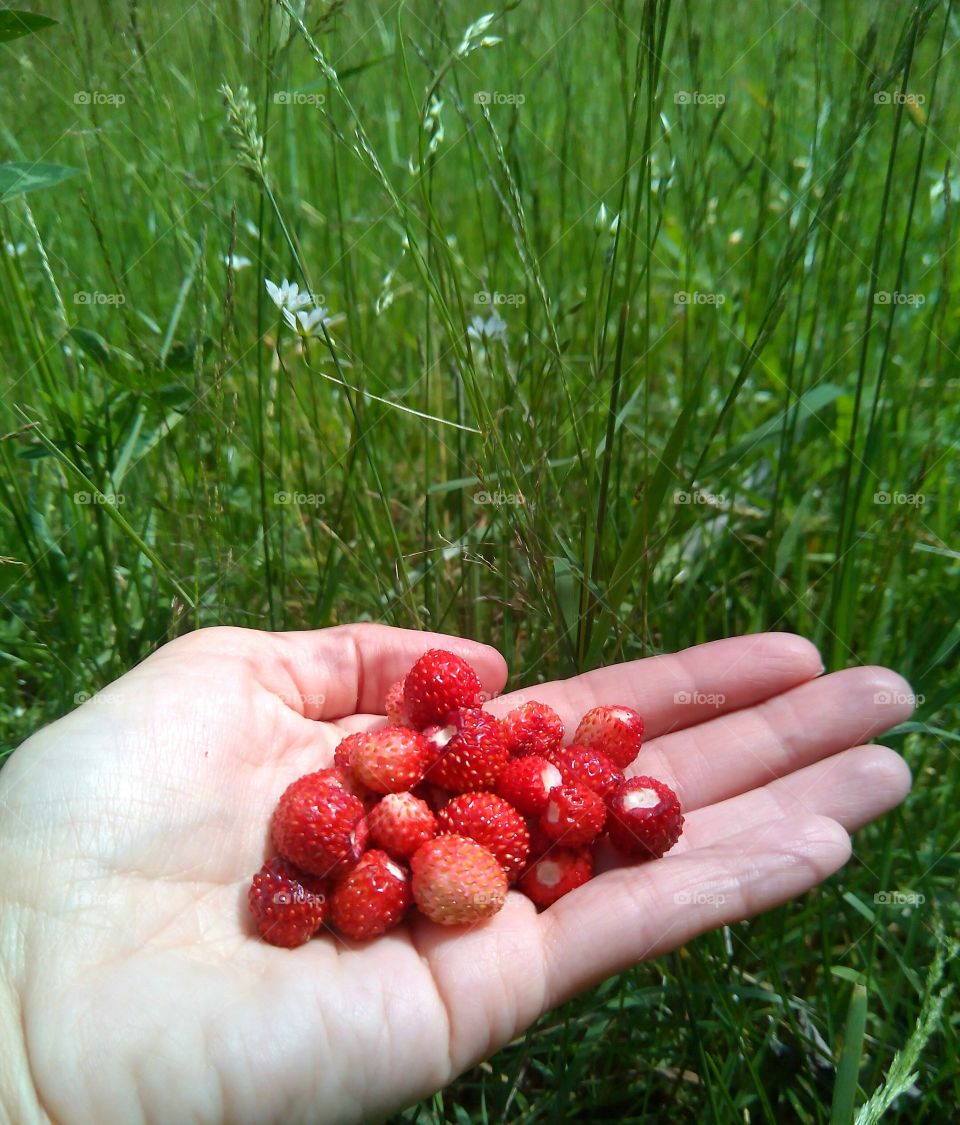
[(713, 389)]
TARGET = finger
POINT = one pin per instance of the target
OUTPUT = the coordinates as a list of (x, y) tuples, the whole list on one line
[(356, 665), (330, 673), (852, 788), (636, 913), (736, 753), (682, 688)]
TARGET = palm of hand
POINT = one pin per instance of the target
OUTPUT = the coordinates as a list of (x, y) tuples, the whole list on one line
[(132, 828)]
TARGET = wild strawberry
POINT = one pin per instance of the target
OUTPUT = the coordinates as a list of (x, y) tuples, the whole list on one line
[(437, 684), (644, 818), (614, 731), (346, 780), (492, 822), (319, 826), (395, 708), (473, 751), (574, 815), (400, 823), (343, 755), (288, 906), (371, 898), (585, 765), (532, 728), (559, 872), (390, 760), (525, 783), (456, 880)]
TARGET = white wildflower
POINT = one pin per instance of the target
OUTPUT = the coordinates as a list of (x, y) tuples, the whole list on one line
[(494, 327), (237, 262), (306, 321), (287, 296)]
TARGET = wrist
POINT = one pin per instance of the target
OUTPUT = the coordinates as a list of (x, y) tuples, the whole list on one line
[(19, 1100)]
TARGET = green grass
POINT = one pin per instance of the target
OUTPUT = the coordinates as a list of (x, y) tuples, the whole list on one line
[(783, 402)]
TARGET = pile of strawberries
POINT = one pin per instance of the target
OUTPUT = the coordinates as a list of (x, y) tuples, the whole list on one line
[(448, 806)]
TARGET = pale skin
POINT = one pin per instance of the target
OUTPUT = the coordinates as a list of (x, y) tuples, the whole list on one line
[(131, 985)]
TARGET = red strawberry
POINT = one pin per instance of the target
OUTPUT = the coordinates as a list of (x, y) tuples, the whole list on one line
[(525, 783), (585, 765), (644, 818), (288, 906), (474, 752), (457, 880), (346, 780), (614, 731), (574, 815), (390, 760), (437, 684), (343, 755), (319, 826), (492, 822), (400, 823), (558, 872), (370, 899), (533, 728), (395, 708)]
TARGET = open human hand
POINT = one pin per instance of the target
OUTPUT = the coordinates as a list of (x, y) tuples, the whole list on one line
[(132, 987)]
